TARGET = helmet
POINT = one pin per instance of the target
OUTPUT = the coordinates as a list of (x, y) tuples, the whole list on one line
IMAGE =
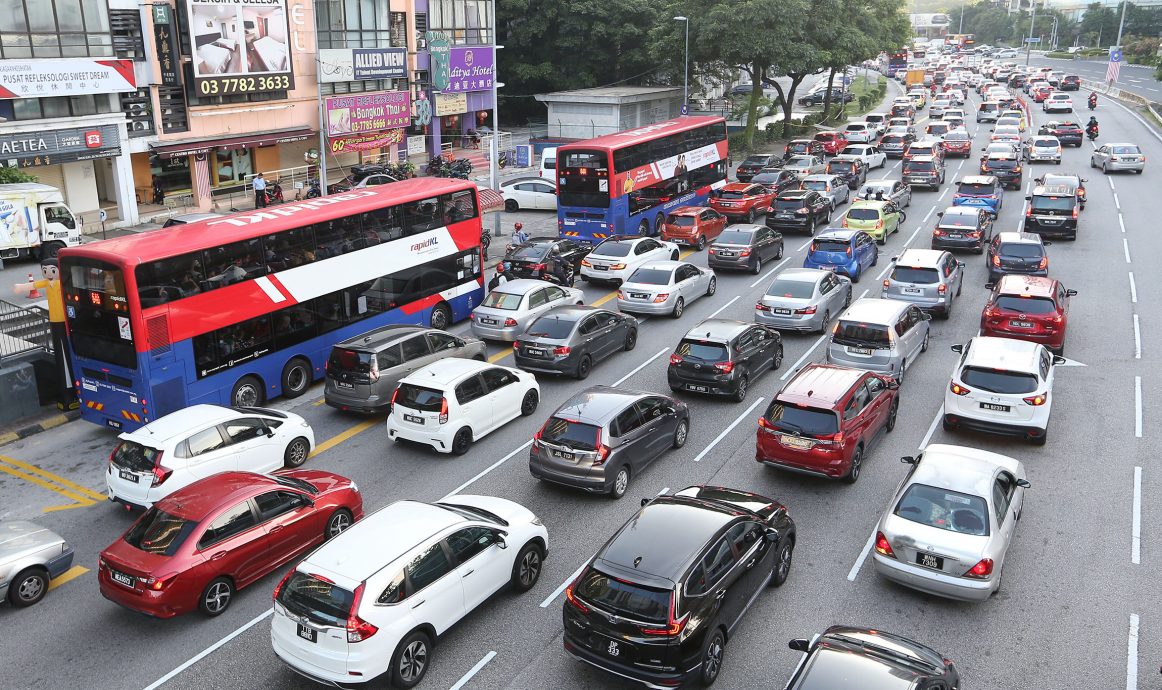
[(517, 226)]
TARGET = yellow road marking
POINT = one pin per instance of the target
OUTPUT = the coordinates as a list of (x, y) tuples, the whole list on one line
[(68, 576), (53, 477), (318, 402), (500, 355), (339, 438), (82, 497)]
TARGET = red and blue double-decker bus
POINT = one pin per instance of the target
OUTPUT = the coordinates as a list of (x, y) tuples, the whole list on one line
[(242, 308), (627, 182), (897, 61)]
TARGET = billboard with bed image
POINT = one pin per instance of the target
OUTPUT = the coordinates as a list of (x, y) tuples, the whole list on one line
[(240, 46)]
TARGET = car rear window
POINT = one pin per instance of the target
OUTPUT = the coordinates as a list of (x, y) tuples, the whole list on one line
[(1026, 305), (1021, 250), (502, 300), (829, 246), (352, 361), (730, 196), (419, 398), (1046, 143), (159, 533), (975, 189), (908, 274), (756, 160), (1002, 163), (552, 327), (797, 148), (1053, 203), (795, 289), (571, 433), (651, 276), (613, 248), (1126, 150), (957, 136), (625, 598), (735, 237), (134, 456), (680, 221), (998, 380), (817, 185), (863, 214), (918, 166), (856, 333), (944, 509), (959, 220), (840, 166), (321, 601), (892, 139), (790, 204), (703, 350), (802, 419), (532, 252)]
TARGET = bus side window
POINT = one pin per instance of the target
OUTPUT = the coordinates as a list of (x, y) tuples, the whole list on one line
[(381, 225), (421, 216)]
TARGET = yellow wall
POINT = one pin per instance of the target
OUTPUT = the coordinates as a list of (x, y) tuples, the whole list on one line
[(266, 158)]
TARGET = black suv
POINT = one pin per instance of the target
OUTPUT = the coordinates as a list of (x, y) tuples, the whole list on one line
[(1006, 167), (924, 171), (537, 257), (1068, 133), (1017, 252), (776, 179), (1053, 210), (1070, 82), (721, 356), (872, 660), (753, 164), (804, 147), (799, 209), (657, 603)]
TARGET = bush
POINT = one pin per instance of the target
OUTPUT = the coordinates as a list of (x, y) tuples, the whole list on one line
[(736, 143), (12, 175), (1060, 55), (773, 132)]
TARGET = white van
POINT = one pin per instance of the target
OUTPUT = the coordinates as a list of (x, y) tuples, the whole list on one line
[(549, 164)]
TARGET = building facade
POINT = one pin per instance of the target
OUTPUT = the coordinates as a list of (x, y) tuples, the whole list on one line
[(588, 113)]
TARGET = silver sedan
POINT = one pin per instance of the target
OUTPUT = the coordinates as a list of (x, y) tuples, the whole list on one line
[(1111, 157), (803, 299), (510, 308), (665, 287), (30, 557), (950, 524)]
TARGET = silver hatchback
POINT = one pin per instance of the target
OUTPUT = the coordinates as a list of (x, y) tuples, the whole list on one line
[(929, 278), (803, 299), (879, 335)]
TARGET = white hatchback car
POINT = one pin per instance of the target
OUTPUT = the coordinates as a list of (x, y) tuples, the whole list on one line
[(1002, 386), (451, 403), (860, 132), (615, 259), (529, 193), (508, 310), (1057, 103), (191, 444), (373, 600)]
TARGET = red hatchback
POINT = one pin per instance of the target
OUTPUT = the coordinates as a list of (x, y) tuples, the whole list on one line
[(826, 419), (742, 200), (194, 548), (833, 142), (1028, 308), (693, 226)]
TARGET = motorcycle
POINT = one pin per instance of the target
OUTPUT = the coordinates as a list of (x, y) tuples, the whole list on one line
[(274, 193), (1091, 132), (313, 190), (485, 241), (1093, 103)]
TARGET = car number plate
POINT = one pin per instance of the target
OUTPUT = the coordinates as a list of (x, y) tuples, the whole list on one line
[(1021, 324), (121, 578), (955, 236), (724, 253), (308, 634), (696, 388), (344, 384), (129, 476), (535, 351), (796, 442), (929, 561), (490, 322), (784, 215), (564, 455), (599, 267), (784, 312), (913, 291), (993, 407), (639, 295), (859, 350), (413, 419)]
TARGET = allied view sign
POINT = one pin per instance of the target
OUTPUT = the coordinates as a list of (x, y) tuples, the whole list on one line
[(357, 64), (240, 46), (365, 113), (64, 77)]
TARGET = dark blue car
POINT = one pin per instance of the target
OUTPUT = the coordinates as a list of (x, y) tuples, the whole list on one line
[(981, 191), (849, 252)]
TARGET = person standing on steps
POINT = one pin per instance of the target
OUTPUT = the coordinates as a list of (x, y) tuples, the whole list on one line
[(259, 191)]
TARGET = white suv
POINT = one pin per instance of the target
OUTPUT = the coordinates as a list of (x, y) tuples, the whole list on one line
[(453, 402), (374, 599), (615, 259), (1002, 386)]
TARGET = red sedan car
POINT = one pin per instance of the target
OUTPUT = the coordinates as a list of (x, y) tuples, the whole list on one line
[(833, 142), (1028, 308), (1040, 94), (197, 546), (742, 200)]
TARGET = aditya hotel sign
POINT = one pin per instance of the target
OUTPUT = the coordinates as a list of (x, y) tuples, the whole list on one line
[(470, 69)]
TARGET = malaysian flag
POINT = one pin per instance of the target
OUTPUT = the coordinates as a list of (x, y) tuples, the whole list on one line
[(1115, 66)]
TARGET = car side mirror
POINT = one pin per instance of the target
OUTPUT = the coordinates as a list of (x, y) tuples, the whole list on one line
[(958, 347), (1046, 244), (1071, 293), (1023, 483), (909, 460), (772, 535), (926, 315), (892, 384), (269, 432), (1029, 197), (646, 502), (1058, 360), (799, 645), (499, 541)]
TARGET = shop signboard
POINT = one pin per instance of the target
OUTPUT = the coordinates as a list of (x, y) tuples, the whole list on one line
[(56, 146), (439, 52), (363, 113), (357, 64), (470, 69), (366, 142), (240, 46), (166, 40), (450, 103), (64, 77), (416, 144)]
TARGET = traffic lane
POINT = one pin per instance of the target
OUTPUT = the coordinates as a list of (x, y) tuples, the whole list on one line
[(1138, 79)]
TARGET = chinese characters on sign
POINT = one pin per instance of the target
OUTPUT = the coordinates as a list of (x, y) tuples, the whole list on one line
[(167, 44), (368, 112), (30, 149), (64, 77), (470, 69)]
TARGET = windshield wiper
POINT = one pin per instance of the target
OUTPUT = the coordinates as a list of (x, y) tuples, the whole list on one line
[(790, 426)]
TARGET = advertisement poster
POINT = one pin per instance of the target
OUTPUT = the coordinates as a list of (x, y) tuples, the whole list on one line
[(470, 69), (450, 103), (670, 167), (358, 64), (64, 77), (368, 112), (367, 142), (240, 46), (166, 41), (15, 225)]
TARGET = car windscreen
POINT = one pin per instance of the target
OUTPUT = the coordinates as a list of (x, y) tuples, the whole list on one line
[(857, 334), (802, 419), (703, 350), (351, 361), (908, 274), (1125, 150), (622, 597), (1021, 250), (529, 252), (419, 398), (134, 456), (793, 289), (319, 600), (863, 214), (1026, 305), (1053, 203), (571, 433), (502, 300), (651, 276), (551, 327), (976, 189), (994, 380), (944, 509), (830, 246), (612, 248), (159, 533), (680, 221), (735, 237)]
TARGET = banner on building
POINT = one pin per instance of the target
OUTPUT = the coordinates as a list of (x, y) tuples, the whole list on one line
[(357, 64), (416, 144), (240, 46), (363, 113), (166, 41), (64, 77), (366, 142), (450, 103), (470, 69), (53, 147), (439, 54)]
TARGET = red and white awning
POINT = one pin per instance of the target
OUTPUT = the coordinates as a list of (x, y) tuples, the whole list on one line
[(490, 200)]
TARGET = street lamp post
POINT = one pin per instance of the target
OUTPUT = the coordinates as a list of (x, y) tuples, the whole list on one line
[(1029, 43), (1121, 24), (686, 61)]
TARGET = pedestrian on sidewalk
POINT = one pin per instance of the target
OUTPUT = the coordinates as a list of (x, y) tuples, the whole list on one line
[(259, 191)]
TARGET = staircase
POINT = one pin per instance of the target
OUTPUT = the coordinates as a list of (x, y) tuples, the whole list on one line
[(23, 330)]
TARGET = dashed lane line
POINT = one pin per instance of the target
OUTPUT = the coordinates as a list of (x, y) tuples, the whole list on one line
[(473, 671), (1136, 528), (1133, 289), (727, 430)]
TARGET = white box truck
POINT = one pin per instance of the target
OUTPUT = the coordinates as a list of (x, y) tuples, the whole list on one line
[(35, 221)]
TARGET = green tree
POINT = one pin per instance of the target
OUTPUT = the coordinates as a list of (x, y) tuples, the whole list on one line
[(1099, 25), (11, 175)]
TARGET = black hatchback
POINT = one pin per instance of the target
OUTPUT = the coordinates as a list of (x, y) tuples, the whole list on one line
[(722, 357), (870, 660), (659, 600), (799, 209)]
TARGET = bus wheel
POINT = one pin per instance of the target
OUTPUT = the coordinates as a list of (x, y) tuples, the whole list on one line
[(441, 317), (247, 392), (296, 377), (643, 228)]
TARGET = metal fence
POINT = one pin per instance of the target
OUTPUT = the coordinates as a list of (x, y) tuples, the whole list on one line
[(23, 330)]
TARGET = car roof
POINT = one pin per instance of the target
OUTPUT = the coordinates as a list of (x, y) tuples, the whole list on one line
[(180, 423), (960, 468), (813, 275), (687, 211), (920, 258), (446, 372), (197, 500), (820, 177), (738, 186), (1056, 189), (979, 179), (521, 286), (820, 384), (1003, 353), (842, 234), (718, 330), (1033, 286), (598, 405), (874, 310), (961, 211), (877, 204), (519, 180), (375, 339), (1014, 237)]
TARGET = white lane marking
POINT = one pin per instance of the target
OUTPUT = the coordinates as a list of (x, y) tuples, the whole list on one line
[(1136, 530), (661, 352), (932, 427), (1133, 289), (914, 233), (1132, 655), (209, 650), (1117, 202), (929, 215), (488, 469), (805, 244), (1126, 247), (1137, 338), (896, 165), (1122, 223), (1110, 180), (864, 293), (717, 311), (942, 194), (1138, 407), (768, 274), (728, 429), (473, 671), (799, 361), (854, 572), (960, 166), (1028, 186)]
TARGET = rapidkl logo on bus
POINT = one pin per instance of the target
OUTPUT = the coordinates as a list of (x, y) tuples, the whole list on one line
[(420, 247)]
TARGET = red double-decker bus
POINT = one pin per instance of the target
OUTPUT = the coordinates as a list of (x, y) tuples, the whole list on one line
[(239, 309)]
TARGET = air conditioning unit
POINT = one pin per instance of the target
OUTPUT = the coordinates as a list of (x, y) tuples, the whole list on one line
[(139, 126), (138, 109)]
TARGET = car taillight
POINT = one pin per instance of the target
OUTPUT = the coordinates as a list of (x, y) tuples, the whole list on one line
[(373, 374), (111, 454), (160, 474), (602, 451), (996, 260), (572, 599), (802, 211), (516, 344), (617, 267), (712, 250), (883, 548), (958, 389), (537, 267), (1036, 400), (982, 569), (158, 583), (674, 625), (744, 252), (1075, 213), (677, 359), (759, 306), (843, 222), (847, 251), (879, 224), (358, 629), (394, 397), (942, 289), (510, 322), (1029, 212), (972, 235), (658, 299), (724, 367), (887, 283), (806, 311), (282, 582), (561, 350), (585, 262), (1044, 262), (443, 410)]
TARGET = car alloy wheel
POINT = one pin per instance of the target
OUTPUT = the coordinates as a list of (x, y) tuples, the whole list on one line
[(583, 367), (529, 404), (740, 393), (631, 339), (712, 287), (216, 597), (338, 523), (924, 345), (528, 567), (777, 361), (296, 452), (757, 266), (679, 307), (783, 563), (462, 441), (412, 661), (681, 433), (712, 658), (892, 411), (856, 465), (620, 482), (28, 588), (701, 242)]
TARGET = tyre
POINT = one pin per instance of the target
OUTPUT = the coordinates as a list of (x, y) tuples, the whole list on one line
[(811, 227), (892, 412), (825, 321), (782, 566), (779, 255), (526, 569), (630, 339), (658, 225), (643, 228), (511, 205), (855, 278), (28, 587), (583, 368), (856, 466), (750, 216), (296, 377), (247, 392), (411, 659), (712, 287), (712, 655), (441, 317), (756, 266), (674, 255), (681, 433), (462, 441), (529, 404), (679, 307), (1042, 439), (340, 520), (620, 483), (701, 244), (777, 360), (216, 597), (900, 376), (924, 345), (947, 313), (296, 453), (49, 250)]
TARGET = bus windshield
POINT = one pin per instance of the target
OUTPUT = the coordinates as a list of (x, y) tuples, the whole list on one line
[(98, 307), (583, 178)]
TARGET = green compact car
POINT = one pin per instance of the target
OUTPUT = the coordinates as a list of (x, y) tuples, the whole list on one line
[(878, 218)]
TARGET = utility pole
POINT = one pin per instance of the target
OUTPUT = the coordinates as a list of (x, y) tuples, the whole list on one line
[(1029, 43), (1121, 24)]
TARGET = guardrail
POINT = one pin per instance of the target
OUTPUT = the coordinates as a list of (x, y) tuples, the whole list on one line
[(23, 330)]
